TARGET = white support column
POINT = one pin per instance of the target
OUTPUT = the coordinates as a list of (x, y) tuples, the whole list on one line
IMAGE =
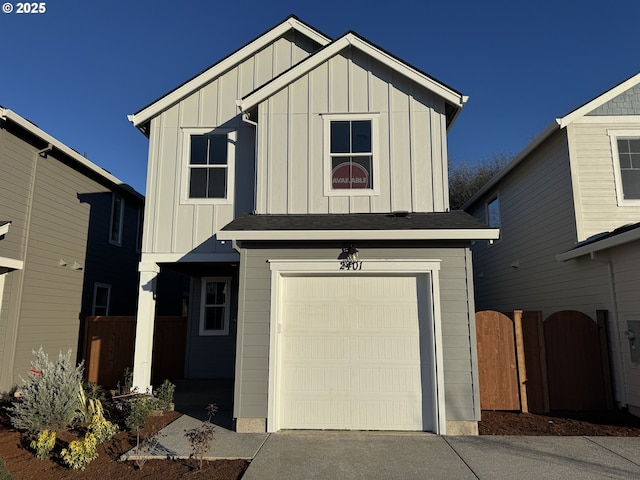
[(144, 326)]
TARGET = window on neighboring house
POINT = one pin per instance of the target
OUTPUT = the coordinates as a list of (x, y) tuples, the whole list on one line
[(350, 142), (629, 165), (117, 218), (215, 301), (493, 213), (210, 163), (101, 298)]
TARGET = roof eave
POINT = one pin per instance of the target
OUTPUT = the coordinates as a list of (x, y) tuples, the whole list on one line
[(6, 114), (144, 115), (600, 245), (406, 234), (350, 39)]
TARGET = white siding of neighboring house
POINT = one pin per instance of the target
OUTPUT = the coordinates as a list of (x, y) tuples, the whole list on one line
[(626, 264), (537, 216), (412, 157), (598, 209), (172, 226)]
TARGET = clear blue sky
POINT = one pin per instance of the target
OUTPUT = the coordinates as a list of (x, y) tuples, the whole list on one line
[(78, 69)]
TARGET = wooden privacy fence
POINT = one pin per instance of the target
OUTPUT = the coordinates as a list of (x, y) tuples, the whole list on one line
[(534, 366), (109, 347)]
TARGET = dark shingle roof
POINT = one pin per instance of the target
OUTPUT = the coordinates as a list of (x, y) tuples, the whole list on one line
[(456, 220)]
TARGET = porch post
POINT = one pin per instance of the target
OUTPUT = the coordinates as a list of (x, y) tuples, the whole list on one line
[(144, 326)]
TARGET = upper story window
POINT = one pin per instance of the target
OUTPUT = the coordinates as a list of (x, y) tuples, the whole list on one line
[(350, 158), (209, 165), (625, 148), (117, 220)]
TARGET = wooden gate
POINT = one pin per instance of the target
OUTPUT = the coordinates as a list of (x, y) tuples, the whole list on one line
[(109, 347), (577, 365), (498, 374)]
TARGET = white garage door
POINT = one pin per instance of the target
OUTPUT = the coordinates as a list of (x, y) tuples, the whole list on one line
[(353, 355)]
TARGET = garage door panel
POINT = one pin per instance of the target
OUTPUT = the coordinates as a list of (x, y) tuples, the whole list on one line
[(350, 349)]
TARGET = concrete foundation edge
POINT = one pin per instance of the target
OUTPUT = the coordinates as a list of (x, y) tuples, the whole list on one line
[(251, 425), (462, 428)]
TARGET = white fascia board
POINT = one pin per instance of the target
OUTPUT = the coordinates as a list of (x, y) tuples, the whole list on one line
[(600, 245), (219, 68), (598, 101), (11, 263), (7, 114), (333, 49), (284, 235), (4, 229), (513, 163)]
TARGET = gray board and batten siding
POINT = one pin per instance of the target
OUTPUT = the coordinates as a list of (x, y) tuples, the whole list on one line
[(179, 226), (458, 325), (411, 139)]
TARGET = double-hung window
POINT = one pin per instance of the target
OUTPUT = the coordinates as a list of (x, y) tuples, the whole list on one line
[(625, 147), (214, 306), (350, 158), (101, 299), (209, 165)]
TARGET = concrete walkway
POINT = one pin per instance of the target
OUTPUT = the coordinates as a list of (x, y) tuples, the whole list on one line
[(407, 456), (353, 456)]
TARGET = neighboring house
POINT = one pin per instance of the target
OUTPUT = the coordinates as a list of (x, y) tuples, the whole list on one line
[(327, 309), (68, 245), (560, 205)]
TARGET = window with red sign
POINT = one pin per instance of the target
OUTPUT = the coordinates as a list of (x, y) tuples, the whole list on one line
[(351, 154)]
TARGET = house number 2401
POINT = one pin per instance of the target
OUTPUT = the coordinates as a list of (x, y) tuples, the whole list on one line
[(350, 265)]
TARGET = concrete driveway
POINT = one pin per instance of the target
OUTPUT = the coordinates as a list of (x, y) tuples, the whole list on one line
[(347, 455)]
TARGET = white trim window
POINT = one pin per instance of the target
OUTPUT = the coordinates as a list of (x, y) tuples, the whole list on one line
[(208, 165), (215, 301), (101, 299), (350, 146), (625, 149), (117, 220)]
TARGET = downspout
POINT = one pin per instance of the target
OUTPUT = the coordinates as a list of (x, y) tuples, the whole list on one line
[(620, 377), (247, 119)]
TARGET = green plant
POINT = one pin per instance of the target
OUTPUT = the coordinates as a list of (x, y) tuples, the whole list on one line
[(126, 382), (146, 446), (4, 473), (49, 396), (92, 390), (43, 444), (165, 394), (88, 407), (102, 429), (200, 437), (138, 409), (80, 453)]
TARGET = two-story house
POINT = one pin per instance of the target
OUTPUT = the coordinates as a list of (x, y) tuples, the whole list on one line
[(566, 208), (69, 245), (302, 183)]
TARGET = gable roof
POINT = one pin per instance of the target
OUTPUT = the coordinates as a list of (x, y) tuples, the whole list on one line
[(71, 154), (451, 96), (456, 225), (143, 116), (556, 125)]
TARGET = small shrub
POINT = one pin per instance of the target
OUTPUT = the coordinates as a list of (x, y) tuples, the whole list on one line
[(92, 390), (125, 384), (4, 473), (80, 453), (146, 446), (43, 444), (88, 407), (137, 410), (200, 437), (165, 394), (49, 395), (102, 429)]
